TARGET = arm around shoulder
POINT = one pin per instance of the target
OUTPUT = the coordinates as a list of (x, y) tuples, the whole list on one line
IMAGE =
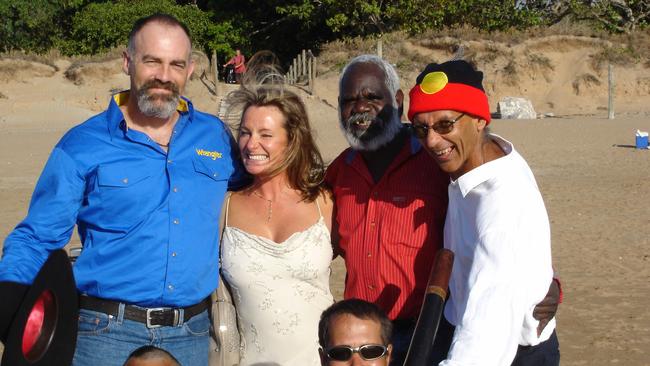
[(329, 215)]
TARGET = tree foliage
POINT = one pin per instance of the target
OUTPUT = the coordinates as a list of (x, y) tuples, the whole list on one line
[(619, 16), (34, 25), (359, 17), (286, 26), (101, 26)]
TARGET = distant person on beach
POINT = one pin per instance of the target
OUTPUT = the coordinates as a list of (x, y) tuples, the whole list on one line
[(238, 61), (496, 225), (355, 332), (144, 182), (390, 199), (151, 356), (277, 248)]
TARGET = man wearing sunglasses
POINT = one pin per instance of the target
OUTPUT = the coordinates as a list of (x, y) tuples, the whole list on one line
[(496, 225), (354, 332), (391, 200)]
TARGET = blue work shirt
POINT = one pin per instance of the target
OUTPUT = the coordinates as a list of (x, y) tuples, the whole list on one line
[(148, 220)]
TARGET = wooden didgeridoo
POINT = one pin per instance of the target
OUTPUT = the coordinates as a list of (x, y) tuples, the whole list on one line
[(420, 349)]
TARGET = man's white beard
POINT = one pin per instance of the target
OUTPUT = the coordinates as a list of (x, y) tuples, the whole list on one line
[(158, 106), (151, 107), (389, 132)]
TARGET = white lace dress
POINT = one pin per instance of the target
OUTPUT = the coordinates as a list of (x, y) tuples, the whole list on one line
[(279, 290)]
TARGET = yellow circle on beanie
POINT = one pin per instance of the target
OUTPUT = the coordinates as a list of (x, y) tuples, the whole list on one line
[(433, 82)]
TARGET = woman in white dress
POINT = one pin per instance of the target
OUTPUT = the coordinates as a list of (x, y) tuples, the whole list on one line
[(277, 250)]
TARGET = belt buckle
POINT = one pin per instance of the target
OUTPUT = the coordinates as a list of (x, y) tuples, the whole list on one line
[(149, 311)]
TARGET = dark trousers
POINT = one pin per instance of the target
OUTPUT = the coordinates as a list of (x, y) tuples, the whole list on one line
[(544, 354)]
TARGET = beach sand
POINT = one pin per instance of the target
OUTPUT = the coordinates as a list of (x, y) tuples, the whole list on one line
[(595, 185)]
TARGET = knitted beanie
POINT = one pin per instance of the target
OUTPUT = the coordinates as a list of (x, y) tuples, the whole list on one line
[(453, 85)]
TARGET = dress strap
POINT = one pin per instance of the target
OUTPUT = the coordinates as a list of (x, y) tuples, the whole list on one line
[(223, 222), (320, 214), (227, 209)]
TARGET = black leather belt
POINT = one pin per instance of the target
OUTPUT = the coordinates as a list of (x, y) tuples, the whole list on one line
[(152, 317)]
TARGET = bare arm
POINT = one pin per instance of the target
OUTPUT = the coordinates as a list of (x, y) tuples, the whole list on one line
[(546, 309)]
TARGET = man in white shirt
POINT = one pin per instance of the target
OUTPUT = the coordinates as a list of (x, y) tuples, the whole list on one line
[(496, 225)]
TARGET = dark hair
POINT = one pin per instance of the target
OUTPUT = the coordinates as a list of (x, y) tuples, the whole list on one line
[(161, 18), (151, 352), (359, 309), (263, 86)]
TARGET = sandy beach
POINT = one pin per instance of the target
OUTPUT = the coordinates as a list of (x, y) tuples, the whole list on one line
[(595, 184)]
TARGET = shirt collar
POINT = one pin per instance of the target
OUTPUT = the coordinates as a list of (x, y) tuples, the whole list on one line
[(470, 180), (116, 118)]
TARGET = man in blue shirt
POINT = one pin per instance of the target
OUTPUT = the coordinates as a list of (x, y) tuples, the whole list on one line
[(144, 182)]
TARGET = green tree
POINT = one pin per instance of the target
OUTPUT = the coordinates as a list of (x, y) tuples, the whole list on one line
[(619, 16), (101, 26), (350, 18), (264, 26), (366, 17), (34, 25)]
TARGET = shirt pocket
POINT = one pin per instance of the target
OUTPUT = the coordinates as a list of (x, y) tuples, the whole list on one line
[(211, 183), (217, 170), (128, 193)]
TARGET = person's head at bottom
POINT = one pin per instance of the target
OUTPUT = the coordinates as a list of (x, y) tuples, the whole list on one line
[(151, 356), (354, 332)]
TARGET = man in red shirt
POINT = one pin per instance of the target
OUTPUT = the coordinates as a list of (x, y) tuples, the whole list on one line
[(238, 61), (390, 199)]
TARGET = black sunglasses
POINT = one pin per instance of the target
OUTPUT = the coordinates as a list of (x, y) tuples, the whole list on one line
[(443, 127), (368, 352)]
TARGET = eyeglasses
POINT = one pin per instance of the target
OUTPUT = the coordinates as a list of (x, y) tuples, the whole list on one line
[(443, 127), (368, 352)]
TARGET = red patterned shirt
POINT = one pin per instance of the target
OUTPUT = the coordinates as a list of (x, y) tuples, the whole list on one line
[(390, 230)]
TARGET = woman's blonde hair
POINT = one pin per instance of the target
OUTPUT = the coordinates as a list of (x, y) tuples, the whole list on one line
[(263, 86)]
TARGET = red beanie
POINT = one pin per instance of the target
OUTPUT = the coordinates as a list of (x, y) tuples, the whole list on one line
[(453, 85)]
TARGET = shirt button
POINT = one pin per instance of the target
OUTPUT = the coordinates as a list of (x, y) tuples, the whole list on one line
[(215, 174), (125, 180), (175, 189), (372, 287), (372, 223), (369, 254), (170, 287), (176, 221), (169, 161), (173, 254)]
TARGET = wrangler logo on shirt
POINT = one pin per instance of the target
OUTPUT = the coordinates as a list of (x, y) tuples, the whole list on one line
[(211, 154)]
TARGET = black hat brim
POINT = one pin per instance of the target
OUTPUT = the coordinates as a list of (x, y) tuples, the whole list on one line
[(56, 338)]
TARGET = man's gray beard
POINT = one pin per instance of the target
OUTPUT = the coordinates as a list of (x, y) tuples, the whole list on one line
[(157, 107), (390, 131)]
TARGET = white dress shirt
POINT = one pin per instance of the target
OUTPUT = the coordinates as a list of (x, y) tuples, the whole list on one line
[(499, 231)]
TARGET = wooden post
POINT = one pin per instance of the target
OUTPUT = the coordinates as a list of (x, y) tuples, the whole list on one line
[(215, 70), (291, 74), (315, 67), (380, 47), (304, 62), (610, 102), (295, 70), (309, 73)]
